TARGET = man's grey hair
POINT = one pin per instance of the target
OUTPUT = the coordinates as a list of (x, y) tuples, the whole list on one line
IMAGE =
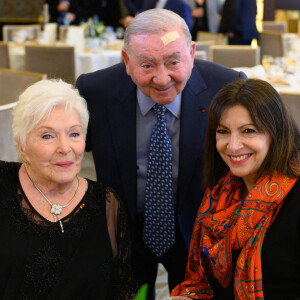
[(155, 21)]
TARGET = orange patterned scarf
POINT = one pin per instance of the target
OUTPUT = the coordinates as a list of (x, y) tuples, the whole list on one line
[(226, 223)]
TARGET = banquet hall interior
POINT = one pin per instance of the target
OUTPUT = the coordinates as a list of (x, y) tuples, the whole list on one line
[(35, 44)]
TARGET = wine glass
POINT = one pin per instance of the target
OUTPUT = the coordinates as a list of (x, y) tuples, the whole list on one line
[(267, 61)]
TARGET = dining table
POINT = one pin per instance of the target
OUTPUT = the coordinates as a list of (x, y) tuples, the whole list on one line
[(90, 59)]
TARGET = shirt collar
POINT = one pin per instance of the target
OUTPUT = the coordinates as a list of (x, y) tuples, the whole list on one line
[(146, 104)]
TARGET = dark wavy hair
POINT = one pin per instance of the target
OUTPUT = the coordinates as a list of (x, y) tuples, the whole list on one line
[(268, 114)]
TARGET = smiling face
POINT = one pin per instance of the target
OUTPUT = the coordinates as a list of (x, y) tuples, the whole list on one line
[(241, 145), (55, 147), (160, 71)]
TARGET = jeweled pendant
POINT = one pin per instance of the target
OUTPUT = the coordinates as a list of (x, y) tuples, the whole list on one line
[(56, 209)]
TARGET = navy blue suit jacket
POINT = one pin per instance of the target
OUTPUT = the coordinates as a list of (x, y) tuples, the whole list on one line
[(240, 16), (135, 6), (111, 99), (182, 8)]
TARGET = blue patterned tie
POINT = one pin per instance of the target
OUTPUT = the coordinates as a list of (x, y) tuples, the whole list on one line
[(159, 225)]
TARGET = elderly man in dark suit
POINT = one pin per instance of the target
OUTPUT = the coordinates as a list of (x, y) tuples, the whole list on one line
[(148, 119)]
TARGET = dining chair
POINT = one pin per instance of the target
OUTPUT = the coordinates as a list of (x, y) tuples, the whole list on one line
[(4, 55), (278, 26), (8, 150), (271, 43), (219, 38), (55, 61), (13, 83), (200, 54), (292, 102), (21, 33), (233, 56), (205, 46)]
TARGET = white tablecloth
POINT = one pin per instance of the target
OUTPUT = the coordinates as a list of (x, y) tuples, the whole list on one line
[(89, 62), (283, 82), (85, 62)]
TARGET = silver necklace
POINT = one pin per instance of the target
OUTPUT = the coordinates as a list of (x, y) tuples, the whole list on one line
[(56, 209)]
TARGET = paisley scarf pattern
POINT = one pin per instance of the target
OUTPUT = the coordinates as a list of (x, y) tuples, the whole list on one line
[(225, 223)]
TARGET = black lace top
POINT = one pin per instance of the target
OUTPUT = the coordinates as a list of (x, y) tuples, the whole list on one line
[(37, 261)]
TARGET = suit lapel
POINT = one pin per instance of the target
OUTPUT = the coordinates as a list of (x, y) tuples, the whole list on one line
[(122, 119), (193, 121)]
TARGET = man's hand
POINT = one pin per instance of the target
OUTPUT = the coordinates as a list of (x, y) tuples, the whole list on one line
[(198, 12)]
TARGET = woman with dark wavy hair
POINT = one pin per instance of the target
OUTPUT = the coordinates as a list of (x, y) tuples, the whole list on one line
[(246, 238)]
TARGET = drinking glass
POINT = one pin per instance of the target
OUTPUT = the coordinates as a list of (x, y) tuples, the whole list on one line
[(267, 61)]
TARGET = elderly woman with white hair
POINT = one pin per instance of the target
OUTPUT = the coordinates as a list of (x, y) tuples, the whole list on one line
[(62, 236)]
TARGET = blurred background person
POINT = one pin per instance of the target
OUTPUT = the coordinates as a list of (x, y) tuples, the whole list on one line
[(238, 21), (64, 12), (136, 6), (107, 11), (246, 242), (62, 236), (67, 12), (180, 7), (206, 15)]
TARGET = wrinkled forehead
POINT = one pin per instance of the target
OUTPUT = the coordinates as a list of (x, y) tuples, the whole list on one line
[(164, 38)]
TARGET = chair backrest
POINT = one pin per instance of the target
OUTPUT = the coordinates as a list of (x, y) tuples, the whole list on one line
[(205, 46), (235, 56), (8, 151), (200, 54), (13, 83), (271, 43), (292, 102), (55, 61), (279, 26), (21, 33), (219, 38), (4, 56)]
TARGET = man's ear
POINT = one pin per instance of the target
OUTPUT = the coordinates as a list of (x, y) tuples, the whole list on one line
[(125, 57), (192, 49)]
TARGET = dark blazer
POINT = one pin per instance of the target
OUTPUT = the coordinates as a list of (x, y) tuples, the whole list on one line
[(182, 8), (239, 16), (135, 6), (111, 99)]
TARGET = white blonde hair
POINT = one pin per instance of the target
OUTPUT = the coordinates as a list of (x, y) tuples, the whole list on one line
[(39, 99)]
